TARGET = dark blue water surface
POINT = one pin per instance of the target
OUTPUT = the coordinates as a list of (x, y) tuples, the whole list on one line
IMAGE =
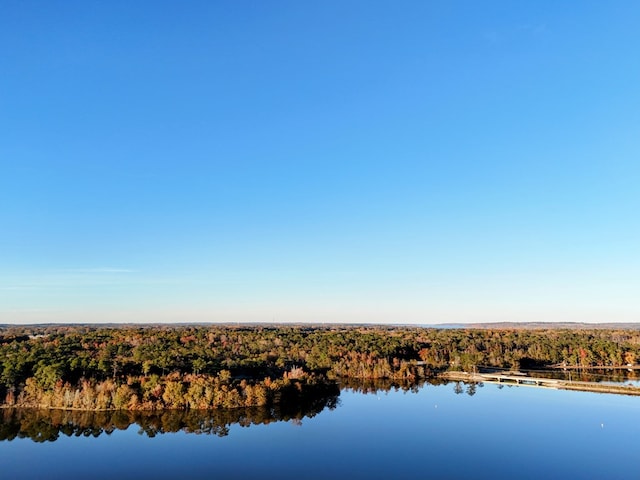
[(513, 432)]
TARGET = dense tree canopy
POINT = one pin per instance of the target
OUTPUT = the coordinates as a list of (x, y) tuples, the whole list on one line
[(205, 367)]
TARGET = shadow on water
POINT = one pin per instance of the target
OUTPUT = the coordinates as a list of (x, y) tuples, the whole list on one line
[(48, 425)]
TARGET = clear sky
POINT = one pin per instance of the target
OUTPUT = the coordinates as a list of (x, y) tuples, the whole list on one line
[(335, 161)]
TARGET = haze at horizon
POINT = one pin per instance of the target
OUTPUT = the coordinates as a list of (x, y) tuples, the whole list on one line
[(442, 162)]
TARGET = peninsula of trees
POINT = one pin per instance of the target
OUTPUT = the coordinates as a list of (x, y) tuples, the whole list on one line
[(212, 367)]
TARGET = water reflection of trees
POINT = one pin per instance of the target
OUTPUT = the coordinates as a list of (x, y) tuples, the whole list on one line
[(591, 375), (382, 385), (48, 425), (376, 386), (578, 374)]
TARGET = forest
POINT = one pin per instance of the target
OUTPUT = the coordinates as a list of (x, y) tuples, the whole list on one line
[(169, 367)]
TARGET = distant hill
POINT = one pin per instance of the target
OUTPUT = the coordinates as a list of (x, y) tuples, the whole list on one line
[(548, 325), (483, 325)]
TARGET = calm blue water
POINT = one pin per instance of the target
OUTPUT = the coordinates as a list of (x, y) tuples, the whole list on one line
[(513, 432)]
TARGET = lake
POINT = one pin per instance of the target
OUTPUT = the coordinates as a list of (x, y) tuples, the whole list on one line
[(435, 431)]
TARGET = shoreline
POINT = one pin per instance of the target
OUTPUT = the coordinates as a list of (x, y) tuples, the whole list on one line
[(536, 382)]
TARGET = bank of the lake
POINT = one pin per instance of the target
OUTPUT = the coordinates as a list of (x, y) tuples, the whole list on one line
[(538, 381)]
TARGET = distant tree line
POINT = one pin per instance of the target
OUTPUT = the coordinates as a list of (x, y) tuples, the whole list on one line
[(211, 367)]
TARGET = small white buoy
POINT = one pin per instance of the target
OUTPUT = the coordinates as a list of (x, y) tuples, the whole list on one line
[(602, 425)]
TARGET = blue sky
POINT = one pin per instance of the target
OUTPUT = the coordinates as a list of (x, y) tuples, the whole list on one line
[(421, 162)]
